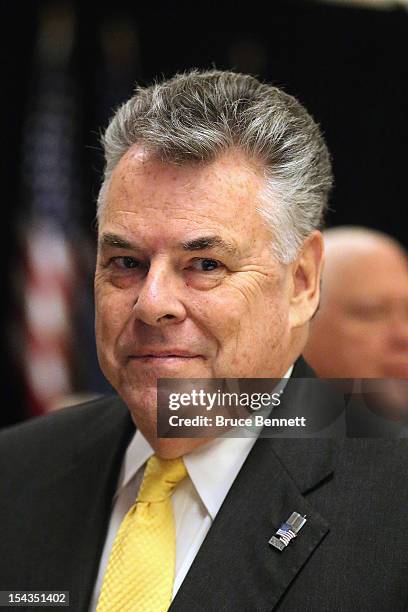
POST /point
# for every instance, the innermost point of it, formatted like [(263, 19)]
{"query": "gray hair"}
[(196, 116)]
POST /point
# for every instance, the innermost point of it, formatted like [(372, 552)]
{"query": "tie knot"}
[(160, 478)]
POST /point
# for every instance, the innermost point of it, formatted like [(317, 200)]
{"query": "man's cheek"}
[(109, 322), (112, 305)]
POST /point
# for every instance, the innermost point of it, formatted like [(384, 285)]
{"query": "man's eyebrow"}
[(196, 244), (209, 242), (113, 240)]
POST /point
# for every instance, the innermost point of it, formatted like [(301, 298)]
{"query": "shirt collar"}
[(213, 468), (137, 453)]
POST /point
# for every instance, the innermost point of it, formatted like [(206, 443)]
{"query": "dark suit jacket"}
[(58, 475)]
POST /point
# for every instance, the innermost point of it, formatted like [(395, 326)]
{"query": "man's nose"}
[(157, 303)]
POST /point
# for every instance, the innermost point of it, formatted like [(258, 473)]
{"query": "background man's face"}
[(361, 329), (170, 304)]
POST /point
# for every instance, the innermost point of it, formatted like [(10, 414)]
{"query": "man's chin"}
[(142, 405), (147, 370)]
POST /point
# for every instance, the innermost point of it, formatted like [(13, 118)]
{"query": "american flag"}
[(286, 534), (287, 531), (48, 230)]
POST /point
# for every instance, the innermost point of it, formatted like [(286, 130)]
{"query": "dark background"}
[(347, 65)]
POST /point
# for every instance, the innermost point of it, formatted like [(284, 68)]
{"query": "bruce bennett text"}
[(257, 420)]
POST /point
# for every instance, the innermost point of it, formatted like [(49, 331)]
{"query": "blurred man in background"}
[(361, 328)]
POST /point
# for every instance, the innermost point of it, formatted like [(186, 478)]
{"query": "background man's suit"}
[(58, 475)]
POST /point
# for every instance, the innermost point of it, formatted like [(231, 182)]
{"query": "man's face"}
[(186, 285), (361, 329)]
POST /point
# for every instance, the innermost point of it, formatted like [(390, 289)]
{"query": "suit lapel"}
[(236, 568)]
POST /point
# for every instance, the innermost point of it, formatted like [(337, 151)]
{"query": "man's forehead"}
[(366, 277), (217, 201)]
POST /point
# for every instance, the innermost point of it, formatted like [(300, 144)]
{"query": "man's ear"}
[(306, 273)]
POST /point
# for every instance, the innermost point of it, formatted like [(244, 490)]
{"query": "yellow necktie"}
[(140, 572)]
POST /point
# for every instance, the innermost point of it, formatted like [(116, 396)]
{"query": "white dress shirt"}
[(211, 468)]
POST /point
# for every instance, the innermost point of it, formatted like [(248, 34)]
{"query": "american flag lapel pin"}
[(287, 531)]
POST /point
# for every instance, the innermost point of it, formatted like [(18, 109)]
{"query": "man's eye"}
[(205, 265), (126, 263)]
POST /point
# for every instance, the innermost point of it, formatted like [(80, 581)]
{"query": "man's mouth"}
[(169, 357), (168, 354)]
